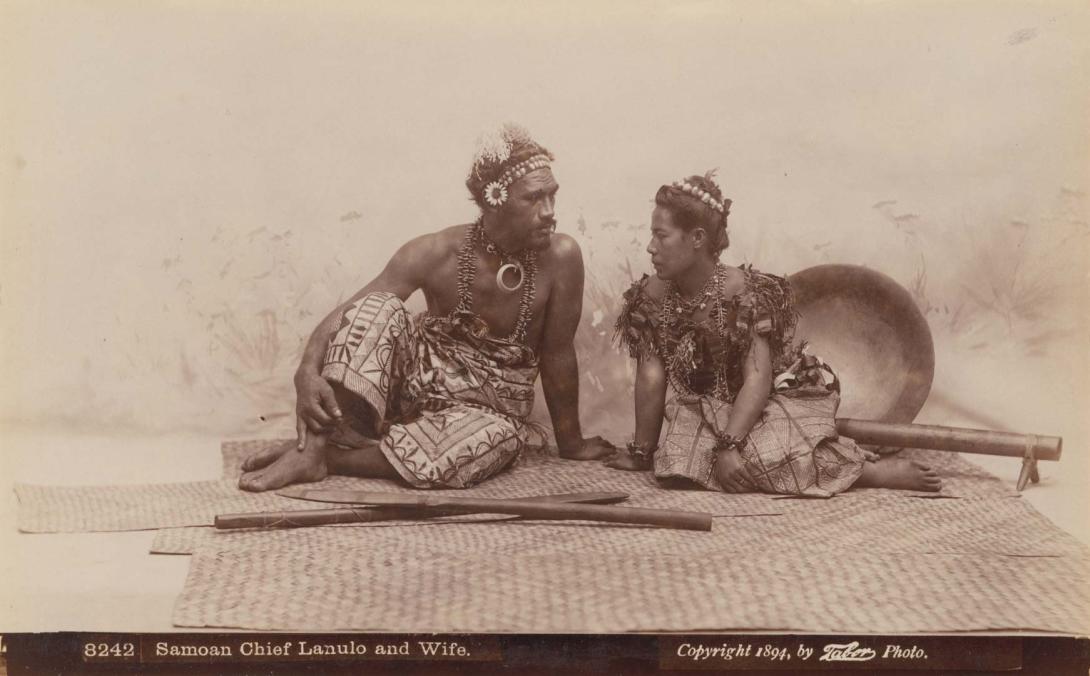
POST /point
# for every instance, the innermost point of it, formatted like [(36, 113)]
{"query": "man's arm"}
[(559, 367), (316, 405)]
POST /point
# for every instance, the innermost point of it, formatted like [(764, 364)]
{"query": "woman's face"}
[(672, 249)]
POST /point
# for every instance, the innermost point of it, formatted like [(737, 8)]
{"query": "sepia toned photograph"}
[(489, 319)]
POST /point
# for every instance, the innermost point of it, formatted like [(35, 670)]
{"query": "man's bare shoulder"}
[(450, 236), (564, 252), (432, 247)]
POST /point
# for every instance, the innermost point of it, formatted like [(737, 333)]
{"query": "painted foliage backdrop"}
[(187, 187)]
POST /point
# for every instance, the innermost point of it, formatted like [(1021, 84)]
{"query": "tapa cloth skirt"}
[(447, 401), (793, 449)]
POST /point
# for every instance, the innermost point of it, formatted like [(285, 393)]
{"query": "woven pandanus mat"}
[(138, 507), (535, 475), (874, 561), (528, 583), (66, 509), (1000, 526), (1003, 527), (186, 540)]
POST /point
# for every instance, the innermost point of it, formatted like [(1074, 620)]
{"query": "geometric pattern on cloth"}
[(792, 449), (456, 447), (383, 582), (367, 354), (452, 402)]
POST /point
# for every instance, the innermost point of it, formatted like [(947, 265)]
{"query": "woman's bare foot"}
[(292, 466), (900, 473), (266, 456)]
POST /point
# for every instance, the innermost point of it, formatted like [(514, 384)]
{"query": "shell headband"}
[(704, 196), (495, 149), (495, 193)]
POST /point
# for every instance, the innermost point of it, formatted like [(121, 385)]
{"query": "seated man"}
[(446, 394)]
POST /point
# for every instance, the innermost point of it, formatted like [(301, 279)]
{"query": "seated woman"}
[(751, 413)]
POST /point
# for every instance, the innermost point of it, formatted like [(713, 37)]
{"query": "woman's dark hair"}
[(690, 213)]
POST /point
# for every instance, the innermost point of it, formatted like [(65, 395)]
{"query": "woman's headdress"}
[(687, 186)]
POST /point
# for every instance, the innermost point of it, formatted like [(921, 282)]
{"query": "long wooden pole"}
[(529, 508), (961, 440), (297, 518)]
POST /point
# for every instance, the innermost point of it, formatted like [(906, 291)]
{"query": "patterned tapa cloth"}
[(793, 448), (452, 400)]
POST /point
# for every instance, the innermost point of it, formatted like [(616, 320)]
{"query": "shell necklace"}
[(525, 263)]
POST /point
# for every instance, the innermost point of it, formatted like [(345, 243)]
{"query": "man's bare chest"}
[(500, 308)]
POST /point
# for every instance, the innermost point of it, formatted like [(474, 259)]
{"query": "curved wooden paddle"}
[(532, 509), (324, 517)]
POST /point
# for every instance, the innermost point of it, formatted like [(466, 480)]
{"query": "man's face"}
[(528, 212), (672, 249)]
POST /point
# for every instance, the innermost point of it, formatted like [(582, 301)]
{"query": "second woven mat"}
[(354, 583)]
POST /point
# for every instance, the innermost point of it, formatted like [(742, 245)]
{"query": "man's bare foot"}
[(900, 473), (266, 456), (291, 467)]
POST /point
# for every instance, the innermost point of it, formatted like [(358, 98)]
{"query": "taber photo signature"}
[(846, 652)]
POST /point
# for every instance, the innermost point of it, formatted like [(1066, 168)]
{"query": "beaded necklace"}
[(467, 273), (675, 310)]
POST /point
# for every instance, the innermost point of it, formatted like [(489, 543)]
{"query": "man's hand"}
[(594, 448), (731, 473), (315, 405)]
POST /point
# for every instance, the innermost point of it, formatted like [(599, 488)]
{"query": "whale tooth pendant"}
[(504, 269)]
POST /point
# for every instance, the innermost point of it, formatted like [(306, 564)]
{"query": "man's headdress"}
[(504, 155)]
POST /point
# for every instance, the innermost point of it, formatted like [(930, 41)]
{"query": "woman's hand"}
[(731, 472)]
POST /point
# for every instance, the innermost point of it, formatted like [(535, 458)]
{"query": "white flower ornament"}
[(495, 193)]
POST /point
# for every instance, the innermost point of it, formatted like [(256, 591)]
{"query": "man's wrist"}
[(306, 371)]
